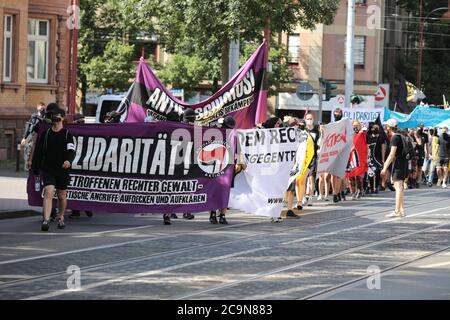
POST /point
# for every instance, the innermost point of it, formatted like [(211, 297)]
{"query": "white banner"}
[(364, 115), (335, 147), (269, 155)]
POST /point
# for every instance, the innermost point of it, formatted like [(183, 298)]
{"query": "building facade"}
[(34, 40), (321, 53)]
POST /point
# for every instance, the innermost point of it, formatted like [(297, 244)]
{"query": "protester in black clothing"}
[(443, 157), (399, 168), (377, 153), (53, 157), (423, 151), (30, 133)]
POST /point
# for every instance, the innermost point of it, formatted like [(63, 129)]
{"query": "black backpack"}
[(409, 151)]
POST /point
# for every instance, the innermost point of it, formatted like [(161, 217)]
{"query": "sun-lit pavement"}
[(324, 254)]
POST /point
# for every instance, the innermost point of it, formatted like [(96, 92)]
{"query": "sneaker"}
[(402, 214), (310, 202), (45, 225), (61, 224), (390, 186), (213, 217), (276, 220), (222, 219), (393, 214), (354, 196), (188, 216), (358, 194), (166, 219), (173, 216), (339, 196), (291, 214), (299, 206), (382, 188), (444, 185), (320, 197), (326, 198), (343, 196), (305, 201), (335, 198)]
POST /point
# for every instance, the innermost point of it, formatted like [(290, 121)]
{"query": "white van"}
[(107, 103)]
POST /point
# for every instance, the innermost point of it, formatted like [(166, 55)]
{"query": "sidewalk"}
[(13, 195)]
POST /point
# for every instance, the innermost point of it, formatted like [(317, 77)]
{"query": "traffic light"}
[(329, 88)]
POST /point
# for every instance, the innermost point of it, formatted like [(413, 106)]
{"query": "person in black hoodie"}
[(52, 160)]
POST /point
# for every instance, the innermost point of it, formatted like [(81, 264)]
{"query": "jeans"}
[(432, 169)]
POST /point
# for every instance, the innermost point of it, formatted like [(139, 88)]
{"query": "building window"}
[(359, 51), (294, 47), (360, 1), (7, 47), (37, 59)]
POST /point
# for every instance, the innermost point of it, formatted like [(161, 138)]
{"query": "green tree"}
[(436, 58), (207, 27), (113, 69)]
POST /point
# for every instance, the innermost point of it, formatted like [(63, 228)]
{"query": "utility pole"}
[(320, 99), (420, 53), (349, 65), (233, 63)]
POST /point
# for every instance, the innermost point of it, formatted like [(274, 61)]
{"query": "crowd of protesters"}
[(396, 160)]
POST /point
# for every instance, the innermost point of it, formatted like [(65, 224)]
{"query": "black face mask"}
[(375, 131), (56, 119), (302, 126), (337, 117)]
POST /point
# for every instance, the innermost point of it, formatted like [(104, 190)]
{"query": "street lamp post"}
[(421, 39)]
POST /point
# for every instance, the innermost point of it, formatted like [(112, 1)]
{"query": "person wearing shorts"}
[(54, 155), (443, 157), (399, 168)]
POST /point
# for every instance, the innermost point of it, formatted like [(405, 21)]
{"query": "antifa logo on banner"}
[(213, 158)]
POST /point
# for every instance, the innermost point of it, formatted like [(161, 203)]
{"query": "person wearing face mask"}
[(313, 131), (377, 154), (357, 162), (30, 133), (337, 183), (54, 155)]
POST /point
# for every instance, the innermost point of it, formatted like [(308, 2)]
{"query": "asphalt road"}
[(323, 255)]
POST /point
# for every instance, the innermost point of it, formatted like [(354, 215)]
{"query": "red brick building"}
[(34, 52)]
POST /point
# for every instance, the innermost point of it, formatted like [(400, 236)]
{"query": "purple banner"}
[(242, 97), (159, 167)]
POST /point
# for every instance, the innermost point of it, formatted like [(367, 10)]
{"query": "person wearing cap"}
[(399, 168), (53, 158)]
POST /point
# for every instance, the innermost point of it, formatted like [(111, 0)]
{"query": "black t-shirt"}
[(444, 141), (421, 148), (375, 144), (400, 160), (57, 147)]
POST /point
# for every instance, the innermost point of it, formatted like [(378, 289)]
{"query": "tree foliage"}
[(436, 57), (113, 69)]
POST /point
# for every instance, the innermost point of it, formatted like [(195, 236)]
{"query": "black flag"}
[(402, 103)]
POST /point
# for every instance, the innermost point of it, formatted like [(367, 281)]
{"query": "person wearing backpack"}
[(399, 169), (52, 160)]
